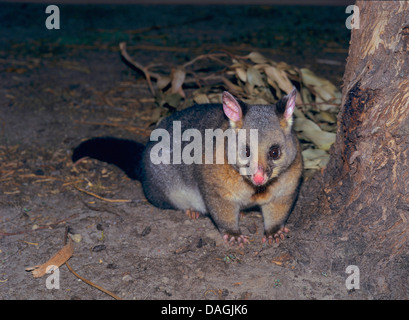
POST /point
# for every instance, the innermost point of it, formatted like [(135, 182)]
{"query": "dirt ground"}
[(58, 87)]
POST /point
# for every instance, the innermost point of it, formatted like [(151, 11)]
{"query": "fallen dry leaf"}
[(257, 57), (283, 258), (280, 77), (241, 74), (254, 77), (56, 260), (178, 77)]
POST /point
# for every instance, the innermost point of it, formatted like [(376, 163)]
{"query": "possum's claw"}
[(193, 215), (279, 235), (241, 240)]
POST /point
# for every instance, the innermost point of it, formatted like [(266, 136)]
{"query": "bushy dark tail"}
[(125, 154)]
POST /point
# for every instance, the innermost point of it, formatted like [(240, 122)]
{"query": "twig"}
[(37, 176), (212, 56), (39, 228), (158, 48), (318, 103), (116, 125), (84, 279), (99, 197), (148, 75), (91, 283)]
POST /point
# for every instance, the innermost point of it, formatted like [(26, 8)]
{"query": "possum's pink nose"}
[(259, 177)]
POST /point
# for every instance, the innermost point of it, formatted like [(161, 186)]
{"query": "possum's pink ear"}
[(232, 108), (285, 108), (290, 105)]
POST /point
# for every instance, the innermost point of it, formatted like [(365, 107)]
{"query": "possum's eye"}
[(274, 152)]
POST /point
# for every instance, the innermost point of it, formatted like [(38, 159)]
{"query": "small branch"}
[(48, 226), (116, 125), (99, 197), (318, 103), (84, 279), (148, 75), (92, 284), (212, 56)]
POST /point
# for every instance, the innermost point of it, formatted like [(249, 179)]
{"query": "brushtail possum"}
[(217, 189)]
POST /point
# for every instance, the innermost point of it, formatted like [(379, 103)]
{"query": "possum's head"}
[(275, 147)]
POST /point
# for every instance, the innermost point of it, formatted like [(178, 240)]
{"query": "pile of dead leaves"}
[(254, 79)]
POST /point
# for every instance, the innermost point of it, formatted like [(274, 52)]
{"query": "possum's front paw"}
[(241, 240), (276, 237)]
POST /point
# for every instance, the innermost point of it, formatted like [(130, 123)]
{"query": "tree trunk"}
[(360, 215)]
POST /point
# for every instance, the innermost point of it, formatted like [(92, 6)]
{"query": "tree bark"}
[(360, 212)]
